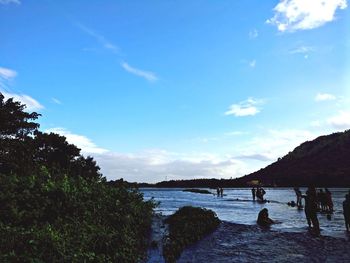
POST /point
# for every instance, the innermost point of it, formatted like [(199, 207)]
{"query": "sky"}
[(160, 90)]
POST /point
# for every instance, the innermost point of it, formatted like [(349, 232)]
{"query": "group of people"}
[(220, 191), (314, 202), (259, 193), (323, 198)]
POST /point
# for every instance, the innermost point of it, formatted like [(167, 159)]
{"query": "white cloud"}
[(302, 50), (249, 107), (253, 34), (7, 74), (292, 15), (341, 121), (150, 76), (235, 133), (5, 2), (157, 166), (252, 63), (257, 156), (324, 97), (82, 142), (99, 38), (106, 44), (316, 124), (56, 101), (31, 104), (272, 144)]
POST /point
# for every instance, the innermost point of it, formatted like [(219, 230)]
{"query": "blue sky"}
[(180, 89)]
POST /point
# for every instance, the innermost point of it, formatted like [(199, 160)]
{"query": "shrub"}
[(71, 220), (187, 226)]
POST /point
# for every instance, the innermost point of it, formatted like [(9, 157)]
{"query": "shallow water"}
[(237, 207), (243, 243)]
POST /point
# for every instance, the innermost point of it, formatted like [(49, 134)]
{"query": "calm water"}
[(245, 211)]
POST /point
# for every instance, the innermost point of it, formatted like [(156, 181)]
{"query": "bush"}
[(187, 226), (69, 219)]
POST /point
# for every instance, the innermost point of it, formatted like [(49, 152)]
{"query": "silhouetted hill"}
[(324, 161)]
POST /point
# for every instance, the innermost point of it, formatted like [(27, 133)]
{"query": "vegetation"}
[(55, 204), (187, 226), (198, 191)]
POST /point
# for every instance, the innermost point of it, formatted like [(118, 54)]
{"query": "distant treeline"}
[(196, 183)]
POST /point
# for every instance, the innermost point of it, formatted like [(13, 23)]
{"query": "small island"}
[(198, 191)]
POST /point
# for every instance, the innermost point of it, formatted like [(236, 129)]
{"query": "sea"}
[(240, 239)]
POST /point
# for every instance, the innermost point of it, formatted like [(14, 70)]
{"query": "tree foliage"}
[(55, 204)]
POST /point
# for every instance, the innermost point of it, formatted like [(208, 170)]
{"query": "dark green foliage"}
[(198, 191), (56, 206), (187, 226), (70, 220)]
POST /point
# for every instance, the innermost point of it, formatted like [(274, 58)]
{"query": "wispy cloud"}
[(7, 74), (6, 2), (252, 63), (31, 104), (324, 97), (56, 101), (257, 156), (82, 142), (99, 38), (253, 34), (150, 76), (249, 107), (302, 50), (292, 15), (108, 45), (235, 133)]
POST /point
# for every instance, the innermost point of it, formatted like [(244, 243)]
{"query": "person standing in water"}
[(298, 194), (311, 206), (221, 192), (329, 201), (346, 211), (253, 193)]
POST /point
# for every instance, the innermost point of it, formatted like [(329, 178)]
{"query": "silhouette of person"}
[(329, 201), (298, 194), (218, 191), (260, 194), (221, 192), (311, 208), (346, 211), (263, 218), (253, 193)]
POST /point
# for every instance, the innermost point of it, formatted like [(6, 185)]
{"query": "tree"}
[(14, 121)]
